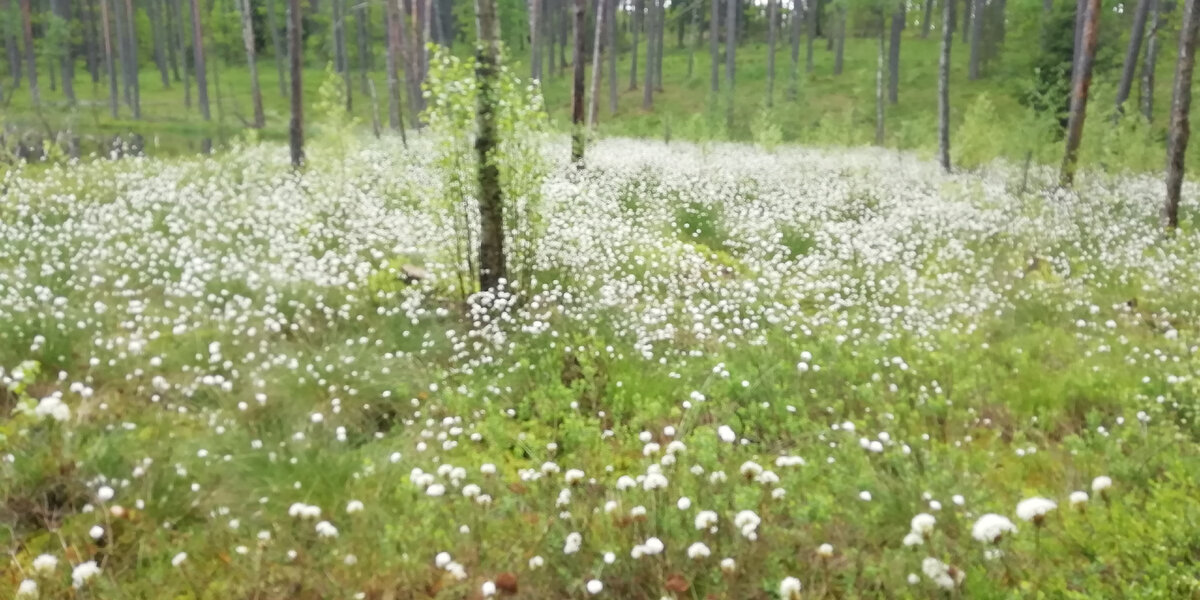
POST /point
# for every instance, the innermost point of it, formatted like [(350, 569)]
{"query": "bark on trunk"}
[(114, 101), (394, 44), (651, 48), (1131, 54), (968, 13), (295, 57), (252, 63), (894, 54), (131, 39), (198, 57), (944, 84), (926, 21), (277, 46), (168, 25), (1150, 62), (577, 91), (771, 34), (611, 7), (492, 264), (597, 62), (714, 45), (30, 56), (91, 43), (976, 37), (1181, 104), (1079, 94), (638, 6)]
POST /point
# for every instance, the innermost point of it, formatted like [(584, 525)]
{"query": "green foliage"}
[(767, 132)]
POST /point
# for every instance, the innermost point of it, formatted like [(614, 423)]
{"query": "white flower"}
[(595, 587), (991, 527), (457, 571), (537, 562), (573, 476), (705, 519), (747, 521), (326, 529), (84, 572), (728, 566), (865, 496), (52, 407), (726, 434), (654, 481), (471, 490), (178, 559), (1101, 484), (28, 590), (750, 469), (573, 542), (825, 550), (625, 482), (609, 558), (698, 550), (913, 538), (789, 589), (487, 469), (488, 589), (654, 546), (941, 574), (1078, 498), (354, 506), (1035, 509), (45, 564), (683, 503), (442, 559), (923, 523), (96, 532), (105, 494), (435, 490), (913, 579)]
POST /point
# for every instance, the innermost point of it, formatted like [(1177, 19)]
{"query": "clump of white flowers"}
[(789, 589), (747, 522), (45, 564), (941, 574), (83, 573), (698, 550), (991, 527), (1035, 509)]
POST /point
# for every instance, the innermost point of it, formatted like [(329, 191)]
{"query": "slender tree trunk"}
[(944, 84), (181, 36), (659, 45), (198, 58), (597, 62), (1080, 15), (252, 62), (697, 7), (157, 35), (651, 47), (968, 13), (898, 18), (731, 9), (1150, 62), (362, 39), (1131, 54), (638, 6), (295, 56), (492, 264), (131, 39), (114, 101), (62, 9), (794, 25), (1179, 129), (169, 27), (420, 14), (1079, 95), (277, 46), (840, 48), (976, 40), (341, 59), (535, 40), (772, 33), (90, 40), (412, 67), (611, 7), (714, 44), (565, 24), (30, 56), (810, 16), (394, 44), (12, 47), (879, 66), (926, 21), (577, 90), (122, 50)]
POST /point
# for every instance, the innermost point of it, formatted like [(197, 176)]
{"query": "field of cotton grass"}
[(722, 373)]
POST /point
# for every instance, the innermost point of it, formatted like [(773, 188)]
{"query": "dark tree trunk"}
[(944, 84), (62, 9), (198, 58), (412, 67), (252, 62), (1181, 103), (362, 45), (680, 26), (696, 8), (277, 46), (731, 10), (926, 21), (1131, 54), (1079, 93), (1150, 62), (794, 23), (30, 56), (898, 18), (492, 264), (651, 47), (840, 48), (714, 44), (394, 44), (341, 60), (12, 47), (659, 45), (169, 28), (295, 57), (158, 37), (968, 13), (810, 16), (114, 100), (577, 91), (181, 36), (976, 38), (772, 32), (639, 5), (131, 39), (122, 50), (611, 7), (90, 37)]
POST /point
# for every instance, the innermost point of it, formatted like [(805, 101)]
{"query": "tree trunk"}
[(1079, 93), (157, 33), (362, 46), (611, 7), (772, 32), (535, 40), (169, 28), (412, 66), (180, 36), (30, 56), (697, 6), (840, 47), (62, 9), (944, 84), (492, 264), (714, 44), (928, 18), (131, 39), (651, 47), (198, 59), (295, 57), (91, 41), (898, 18), (114, 100), (577, 91), (1150, 62), (661, 21), (277, 46), (638, 6), (968, 13), (1181, 103), (597, 62), (976, 38), (794, 26), (341, 61), (395, 109), (879, 65), (1131, 54), (810, 16), (12, 47), (122, 50), (731, 8), (252, 63)]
